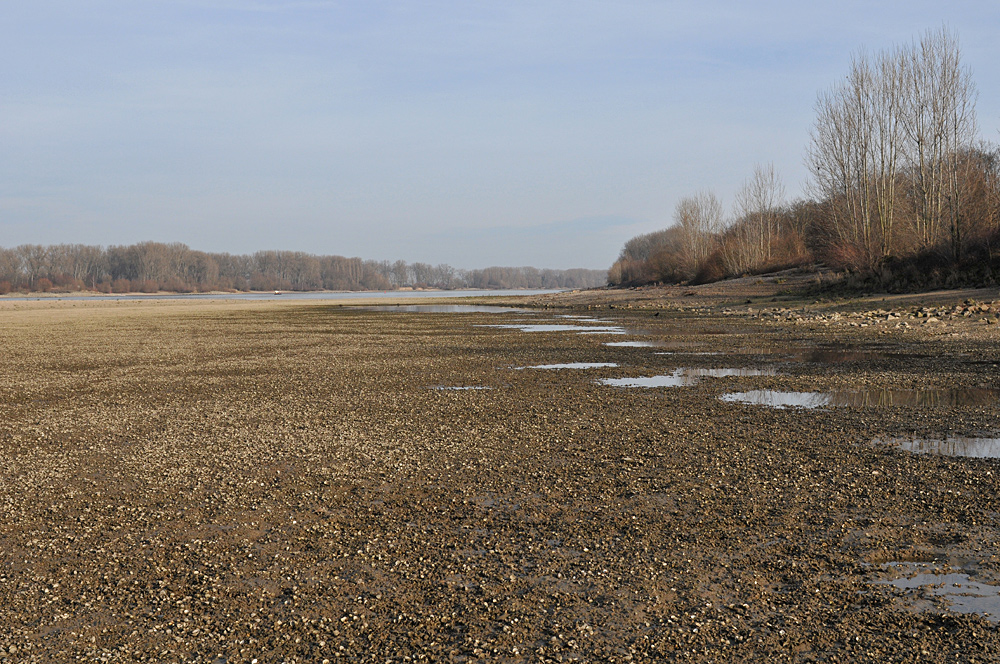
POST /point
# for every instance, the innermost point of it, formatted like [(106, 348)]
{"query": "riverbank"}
[(401, 294), (223, 482)]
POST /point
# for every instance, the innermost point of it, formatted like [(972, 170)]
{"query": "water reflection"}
[(684, 377), (956, 446), (572, 365), (726, 373), (948, 398), (775, 399), (636, 344), (676, 379), (460, 387), (561, 327), (688, 352), (962, 593), (442, 308)]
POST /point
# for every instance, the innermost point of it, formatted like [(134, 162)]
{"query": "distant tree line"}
[(150, 267), (900, 187)]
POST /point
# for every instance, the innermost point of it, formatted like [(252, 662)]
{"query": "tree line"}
[(900, 186), (149, 267)]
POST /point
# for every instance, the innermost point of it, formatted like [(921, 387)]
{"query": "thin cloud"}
[(425, 131), (586, 225)]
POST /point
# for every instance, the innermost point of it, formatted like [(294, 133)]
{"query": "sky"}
[(473, 133)]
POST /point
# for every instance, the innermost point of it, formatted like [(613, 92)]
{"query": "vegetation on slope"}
[(902, 191)]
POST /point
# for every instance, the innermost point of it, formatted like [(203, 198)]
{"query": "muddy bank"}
[(224, 483)]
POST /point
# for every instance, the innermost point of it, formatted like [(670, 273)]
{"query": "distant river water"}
[(352, 295)]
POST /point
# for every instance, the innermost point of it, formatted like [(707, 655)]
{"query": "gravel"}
[(281, 482)]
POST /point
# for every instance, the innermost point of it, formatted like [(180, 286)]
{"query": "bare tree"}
[(423, 274), (34, 261), (445, 276), (895, 170), (400, 274), (756, 208), (699, 219), (885, 98), (10, 269), (868, 128), (848, 157), (939, 122)]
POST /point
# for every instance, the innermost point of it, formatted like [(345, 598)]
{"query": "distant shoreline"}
[(279, 295)]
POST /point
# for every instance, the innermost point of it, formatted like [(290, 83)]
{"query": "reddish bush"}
[(121, 286)]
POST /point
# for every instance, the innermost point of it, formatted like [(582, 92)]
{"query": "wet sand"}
[(225, 482)]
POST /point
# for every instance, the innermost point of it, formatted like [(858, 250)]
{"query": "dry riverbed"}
[(300, 482)]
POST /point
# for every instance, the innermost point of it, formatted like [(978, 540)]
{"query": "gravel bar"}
[(269, 482)]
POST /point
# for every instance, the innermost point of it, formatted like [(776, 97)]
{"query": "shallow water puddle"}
[(675, 379), (561, 327), (688, 352), (951, 398), (962, 593), (572, 365), (776, 399), (674, 345), (728, 373), (636, 344), (956, 446), (443, 308), (683, 377), (460, 387)]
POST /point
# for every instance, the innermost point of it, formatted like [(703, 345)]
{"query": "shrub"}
[(121, 286)]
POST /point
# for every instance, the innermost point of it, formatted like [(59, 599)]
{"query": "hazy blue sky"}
[(473, 133)]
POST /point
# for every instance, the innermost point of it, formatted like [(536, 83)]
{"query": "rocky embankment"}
[(901, 318)]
